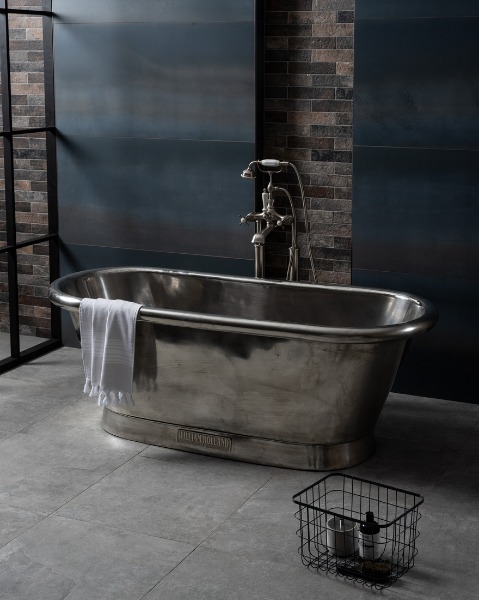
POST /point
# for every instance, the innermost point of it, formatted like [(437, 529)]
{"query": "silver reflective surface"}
[(294, 375)]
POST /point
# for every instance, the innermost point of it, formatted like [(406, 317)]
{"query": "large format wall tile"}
[(138, 11), (80, 258), (150, 194), (416, 83), (443, 362), (377, 9), (416, 211), (75, 257), (165, 80)]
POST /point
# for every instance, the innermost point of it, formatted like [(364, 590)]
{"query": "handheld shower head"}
[(248, 173), (268, 166)]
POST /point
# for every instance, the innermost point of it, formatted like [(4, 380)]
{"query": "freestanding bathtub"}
[(277, 373)]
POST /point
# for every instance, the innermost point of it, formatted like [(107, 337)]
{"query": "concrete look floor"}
[(87, 516)]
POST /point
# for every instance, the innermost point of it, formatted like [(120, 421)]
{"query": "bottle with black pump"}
[(369, 538)]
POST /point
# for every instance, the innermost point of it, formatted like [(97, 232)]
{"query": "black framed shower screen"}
[(8, 135)]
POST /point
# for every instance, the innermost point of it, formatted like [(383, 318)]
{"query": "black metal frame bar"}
[(17, 356), (259, 95)]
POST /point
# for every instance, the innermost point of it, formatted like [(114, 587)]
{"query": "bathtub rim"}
[(212, 322)]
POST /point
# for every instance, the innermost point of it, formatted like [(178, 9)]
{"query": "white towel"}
[(107, 329)]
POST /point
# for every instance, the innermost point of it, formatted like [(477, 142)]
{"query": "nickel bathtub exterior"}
[(278, 373)]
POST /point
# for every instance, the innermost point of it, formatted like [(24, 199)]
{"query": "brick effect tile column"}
[(28, 110), (308, 121)]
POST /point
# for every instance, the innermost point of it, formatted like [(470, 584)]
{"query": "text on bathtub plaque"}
[(205, 440)]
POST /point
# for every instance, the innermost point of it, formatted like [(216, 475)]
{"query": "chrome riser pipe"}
[(293, 270), (259, 261)]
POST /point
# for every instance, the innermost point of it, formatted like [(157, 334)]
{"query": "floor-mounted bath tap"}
[(273, 219)]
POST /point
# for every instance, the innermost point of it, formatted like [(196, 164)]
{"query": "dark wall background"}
[(154, 131), (416, 177), (155, 104)]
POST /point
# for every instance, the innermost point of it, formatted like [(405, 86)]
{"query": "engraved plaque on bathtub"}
[(204, 440)]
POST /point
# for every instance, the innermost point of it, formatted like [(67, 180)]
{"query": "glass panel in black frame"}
[(30, 174), (33, 304), (1, 111), (4, 308), (3, 217)]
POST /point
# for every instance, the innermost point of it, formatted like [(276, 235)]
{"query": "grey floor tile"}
[(213, 575), (5, 434), (432, 424), (14, 521), (23, 403), (459, 487), (191, 458), (264, 527), (118, 507), (62, 558), (446, 564), (404, 464), (42, 473), (80, 425), (181, 501), (177, 456)]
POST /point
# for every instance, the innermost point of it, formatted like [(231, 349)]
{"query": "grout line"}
[(160, 252), (108, 527), (199, 546), (139, 532), (168, 139), (164, 577), (60, 410), (416, 148), (412, 18), (101, 479), (237, 509), (49, 514), (134, 531), (8, 436), (418, 275), (185, 22), (219, 486), (25, 531)]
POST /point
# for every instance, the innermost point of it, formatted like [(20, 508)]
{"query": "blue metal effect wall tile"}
[(80, 258), (380, 9), (137, 11), (162, 195), (442, 363), (416, 83), (75, 257), (167, 80), (416, 211)]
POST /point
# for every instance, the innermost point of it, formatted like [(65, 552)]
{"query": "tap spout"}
[(260, 236)]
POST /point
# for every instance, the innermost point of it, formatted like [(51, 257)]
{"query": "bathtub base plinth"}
[(311, 457)]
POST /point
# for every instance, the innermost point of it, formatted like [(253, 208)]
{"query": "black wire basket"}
[(337, 537)]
